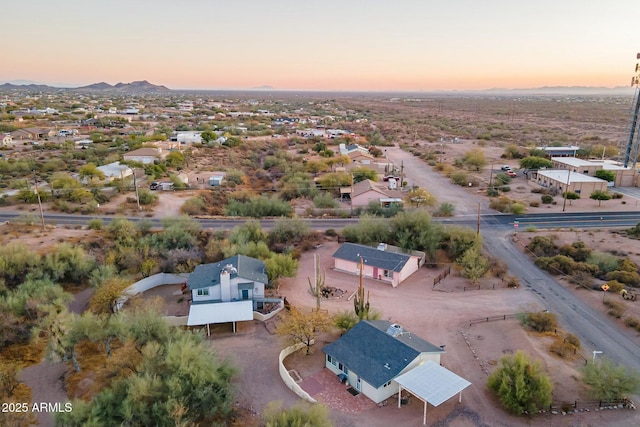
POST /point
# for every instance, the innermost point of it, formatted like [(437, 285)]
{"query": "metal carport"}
[(431, 383)]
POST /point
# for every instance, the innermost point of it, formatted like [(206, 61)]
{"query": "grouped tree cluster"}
[(582, 262)]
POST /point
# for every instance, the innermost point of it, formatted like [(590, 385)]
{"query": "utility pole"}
[(491, 176), (135, 185), (351, 195), (401, 174), (35, 178), (566, 191), (478, 228)]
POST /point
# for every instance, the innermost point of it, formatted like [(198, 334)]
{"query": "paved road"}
[(596, 331)]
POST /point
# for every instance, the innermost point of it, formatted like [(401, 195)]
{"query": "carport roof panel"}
[(432, 383), (220, 312)]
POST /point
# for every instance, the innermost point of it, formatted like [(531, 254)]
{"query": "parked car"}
[(512, 174), (154, 185), (506, 168), (388, 177)]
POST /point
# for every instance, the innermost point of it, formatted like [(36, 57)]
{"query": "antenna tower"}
[(631, 152)]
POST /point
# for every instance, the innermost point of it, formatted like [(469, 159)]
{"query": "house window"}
[(586, 172), (331, 360), (388, 273), (203, 292), (387, 384), (343, 368)]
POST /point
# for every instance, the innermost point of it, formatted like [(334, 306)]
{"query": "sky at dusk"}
[(403, 45)]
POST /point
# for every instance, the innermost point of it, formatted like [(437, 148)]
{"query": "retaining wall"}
[(286, 378)]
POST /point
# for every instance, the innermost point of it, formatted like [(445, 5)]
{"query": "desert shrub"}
[(234, 176), (561, 347), (345, 320), (615, 286), (573, 340), (146, 197), (631, 278), (502, 179), (578, 251), (95, 224), (625, 264), (517, 208), (492, 192), (505, 188), (582, 278), (542, 321), (500, 204), (330, 232), (520, 384), (534, 204), (512, 281), (616, 309), (258, 207), (605, 262), (289, 230), (459, 178), (632, 322), (543, 246), (445, 209), (564, 264), (193, 206), (546, 199), (325, 201), (610, 381)]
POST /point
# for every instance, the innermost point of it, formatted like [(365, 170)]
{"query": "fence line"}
[(586, 405), (494, 318), (442, 276)]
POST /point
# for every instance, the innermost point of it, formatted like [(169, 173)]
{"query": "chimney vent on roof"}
[(382, 246), (395, 330)]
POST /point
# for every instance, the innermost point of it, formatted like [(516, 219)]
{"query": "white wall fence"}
[(150, 283), (286, 377)]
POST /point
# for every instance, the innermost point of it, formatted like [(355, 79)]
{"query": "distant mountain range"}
[(141, 86), (144, 86)]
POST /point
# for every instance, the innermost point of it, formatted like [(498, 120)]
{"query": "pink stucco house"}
[(384, 263)]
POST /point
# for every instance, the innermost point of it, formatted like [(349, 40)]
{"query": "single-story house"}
[(563, 180), (227, 291), (568, 151), (373, 353), (385, 263), (115, 171), (146, 155), (624, 177), (368, 191)]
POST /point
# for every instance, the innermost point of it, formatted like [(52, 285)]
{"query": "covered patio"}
[(431, 383), (220, 312)]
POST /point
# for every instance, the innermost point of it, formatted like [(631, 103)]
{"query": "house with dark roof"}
[(373, 353), (385, 263), (227, 291)]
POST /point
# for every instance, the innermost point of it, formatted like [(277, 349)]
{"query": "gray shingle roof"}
[(374, 355), (206, 275), (372, 256)]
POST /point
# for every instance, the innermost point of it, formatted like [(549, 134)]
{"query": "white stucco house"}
[(373, 353), (227, 291), (145, 155)]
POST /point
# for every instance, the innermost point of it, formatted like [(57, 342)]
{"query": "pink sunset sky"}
[(322, 45)]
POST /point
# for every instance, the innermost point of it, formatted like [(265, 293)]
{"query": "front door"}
[(358, 384), (375, 272), (245, 294)]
